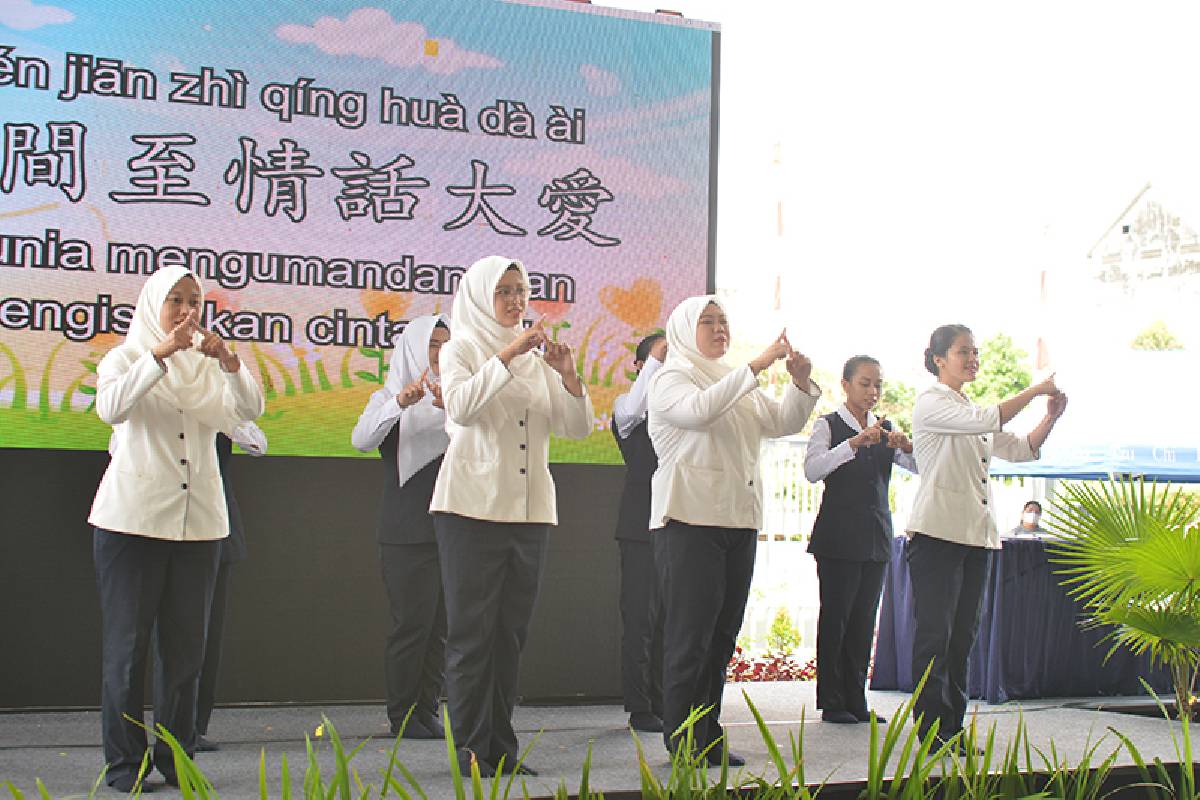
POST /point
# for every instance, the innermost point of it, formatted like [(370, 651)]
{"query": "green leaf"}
[(369, 377)]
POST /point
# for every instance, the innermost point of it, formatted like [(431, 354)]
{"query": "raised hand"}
[(780, 348), (214, 346), (529, 338), (1048, 386), (412, 393), (434, 389), (868, 436), (178, 338), (560, 358), (799, 366), (1056, 405), (897, 440)]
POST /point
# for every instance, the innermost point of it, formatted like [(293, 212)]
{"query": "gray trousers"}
[(415, 654), (704, 575), (948, 581), (491, 572), (150, 584)]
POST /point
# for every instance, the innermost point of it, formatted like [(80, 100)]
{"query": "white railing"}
[(785, 575)]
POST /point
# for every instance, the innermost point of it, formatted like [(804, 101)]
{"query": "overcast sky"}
[(935, 156)]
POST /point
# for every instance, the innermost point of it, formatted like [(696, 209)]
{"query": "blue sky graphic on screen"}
[(328, 176)]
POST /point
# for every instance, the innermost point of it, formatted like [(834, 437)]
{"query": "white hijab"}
[(474, 319), (422, 427), (193, 381), (684, 356)]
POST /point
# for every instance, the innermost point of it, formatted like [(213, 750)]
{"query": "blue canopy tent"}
[(1118, 421)]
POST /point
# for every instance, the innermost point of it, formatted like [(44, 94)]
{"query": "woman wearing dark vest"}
[(951, 529), (641, 609), (406, 422), (852, 452)]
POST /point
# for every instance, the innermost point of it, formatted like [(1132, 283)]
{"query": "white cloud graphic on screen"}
[(372, 33), (599, 82), (23, 15)]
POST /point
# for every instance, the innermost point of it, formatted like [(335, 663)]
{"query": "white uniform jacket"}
[(497, 465), (163, 480), (954, 441), (708, 452)]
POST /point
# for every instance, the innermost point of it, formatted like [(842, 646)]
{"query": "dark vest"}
[(854, 522), (633, 521), (233, 546), (404, 516)]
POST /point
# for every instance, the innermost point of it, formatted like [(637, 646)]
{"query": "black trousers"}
[(850, 593), (641, 629), (948, 581), (491, 572), (150, 584), (206, 691), (704, 577), (415, 654)]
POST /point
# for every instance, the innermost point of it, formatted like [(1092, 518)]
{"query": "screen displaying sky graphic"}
[(329, 176)]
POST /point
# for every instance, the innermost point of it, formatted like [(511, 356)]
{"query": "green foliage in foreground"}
[(1129, 551), (902, 765)]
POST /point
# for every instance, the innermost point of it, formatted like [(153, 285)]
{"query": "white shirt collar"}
[(848, 418)]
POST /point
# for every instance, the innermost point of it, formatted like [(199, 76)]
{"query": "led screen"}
[(329, 175)]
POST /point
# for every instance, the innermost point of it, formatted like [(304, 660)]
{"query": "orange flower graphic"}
[(552, 310), (377, 301), (638, 306)]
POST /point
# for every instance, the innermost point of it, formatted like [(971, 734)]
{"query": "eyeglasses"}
[(513, 292)]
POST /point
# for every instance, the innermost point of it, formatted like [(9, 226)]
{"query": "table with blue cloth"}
[(1030, 641)]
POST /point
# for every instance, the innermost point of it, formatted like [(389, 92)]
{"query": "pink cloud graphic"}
[(372, 33), (618, 174), (24, 15), (599, 82)]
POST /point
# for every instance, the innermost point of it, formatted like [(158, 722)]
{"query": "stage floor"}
[(63, 747)]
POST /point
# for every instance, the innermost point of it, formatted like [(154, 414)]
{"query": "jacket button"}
[(183, 486), (984, 502), (183, 461), (522, 470), (521, 422), (181, 436), (751, 483), (522, 447)]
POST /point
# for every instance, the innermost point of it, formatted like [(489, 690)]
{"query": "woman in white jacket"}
[(405, 420), (160, 514), (951, 530), (707, 421), (494, 499)]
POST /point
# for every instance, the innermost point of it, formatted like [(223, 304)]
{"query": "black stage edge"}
[(307, 611)]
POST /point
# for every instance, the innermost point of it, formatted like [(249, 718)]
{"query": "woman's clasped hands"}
[(557, 355), (799, 366), (182, 337)]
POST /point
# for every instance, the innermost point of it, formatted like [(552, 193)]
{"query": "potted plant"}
[(1129, 551)]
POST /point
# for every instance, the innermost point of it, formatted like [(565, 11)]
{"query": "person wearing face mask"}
[(494, 499), (406, 421), (707, 423), (951, 529), (159, 514), (1031, 521), (641, 608), (852, 451)]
